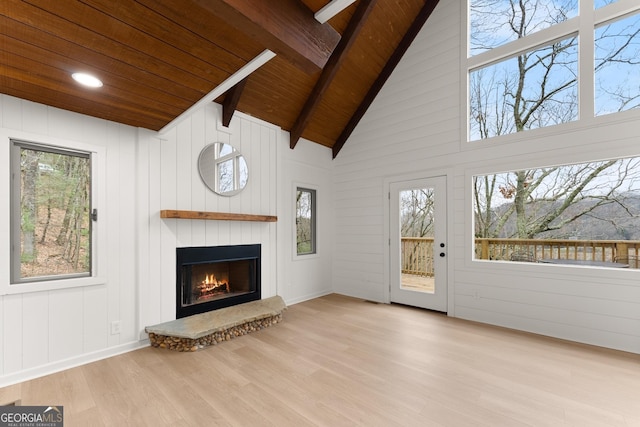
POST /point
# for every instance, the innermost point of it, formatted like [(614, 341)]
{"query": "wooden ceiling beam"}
[(230, 102), (328, 73), (286, 27), (391, 64)]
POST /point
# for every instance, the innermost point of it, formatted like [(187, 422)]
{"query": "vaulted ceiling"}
[(160, 59)]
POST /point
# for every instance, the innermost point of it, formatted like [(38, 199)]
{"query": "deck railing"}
[(620, 251), (417, 256), (417, 252)]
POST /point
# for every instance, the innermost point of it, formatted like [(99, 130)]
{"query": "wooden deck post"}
[(484, 249), (622, 253)]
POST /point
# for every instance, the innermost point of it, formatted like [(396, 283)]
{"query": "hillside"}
[(616, 220)]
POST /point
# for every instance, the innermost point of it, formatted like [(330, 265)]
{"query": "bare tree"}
[(483, 193), (617, 65), (417, 215), (536, 89), (544, 200), (304, 226)]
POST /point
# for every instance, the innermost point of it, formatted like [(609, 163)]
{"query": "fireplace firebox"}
[(213, 277)]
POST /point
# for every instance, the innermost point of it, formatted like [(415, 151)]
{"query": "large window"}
[(586, 214), (526, 58), (305, 221), (51, 215)]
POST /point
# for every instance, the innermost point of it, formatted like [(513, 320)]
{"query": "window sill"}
[(305, 257), (51, 285)]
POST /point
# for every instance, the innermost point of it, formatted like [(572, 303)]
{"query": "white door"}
[(418, 246)]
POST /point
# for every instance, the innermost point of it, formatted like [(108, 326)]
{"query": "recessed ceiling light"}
[(87, 79)]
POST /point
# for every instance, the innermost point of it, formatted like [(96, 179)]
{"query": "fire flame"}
[(211, 284)]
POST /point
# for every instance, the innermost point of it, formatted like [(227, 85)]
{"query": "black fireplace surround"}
[(213, 277)]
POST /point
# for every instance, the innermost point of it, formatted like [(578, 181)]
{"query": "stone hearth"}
[(201, 330)]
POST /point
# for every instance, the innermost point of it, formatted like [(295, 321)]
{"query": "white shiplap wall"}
[(169, 179), (412, 120), (307, 276), (48, 330), (42, 332), (414, 128)]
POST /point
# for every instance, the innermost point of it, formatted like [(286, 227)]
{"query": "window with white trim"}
[(51, 213), (585, 214), (538, 63), (305, 221)]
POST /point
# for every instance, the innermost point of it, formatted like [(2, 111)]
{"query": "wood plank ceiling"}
[(159, 58)]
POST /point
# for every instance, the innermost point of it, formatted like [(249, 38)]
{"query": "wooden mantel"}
[(219, 216)]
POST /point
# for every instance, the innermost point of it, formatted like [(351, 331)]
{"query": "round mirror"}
[(223, 169)]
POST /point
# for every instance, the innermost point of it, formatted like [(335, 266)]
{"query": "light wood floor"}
[(338, 361)]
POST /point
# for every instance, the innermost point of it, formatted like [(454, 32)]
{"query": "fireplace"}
[(213, 277)]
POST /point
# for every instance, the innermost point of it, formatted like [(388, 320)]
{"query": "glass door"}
[(418, 246)]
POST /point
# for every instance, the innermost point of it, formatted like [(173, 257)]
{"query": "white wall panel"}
[(11, 112), (2, 343), (144, 207), (95, 319), (66, 315), (180, 153), (35, 118), (178, 184), (13, 338), (35, 326), (165, 232), (414, 127), (115, 173), (123, 304), (511, 318), (198, 195), (309, 166), (45, 331)]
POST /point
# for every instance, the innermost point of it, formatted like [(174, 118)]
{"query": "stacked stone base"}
[(194, 344)]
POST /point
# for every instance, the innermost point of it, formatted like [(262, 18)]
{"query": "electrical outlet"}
[(115, 327)]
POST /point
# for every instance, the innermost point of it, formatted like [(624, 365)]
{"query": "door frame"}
[(386, 191)]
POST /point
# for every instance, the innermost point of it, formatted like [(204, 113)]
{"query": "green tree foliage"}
[(55, 205)]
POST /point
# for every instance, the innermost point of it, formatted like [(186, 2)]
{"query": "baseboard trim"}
[(61, 365), (304, 298)]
